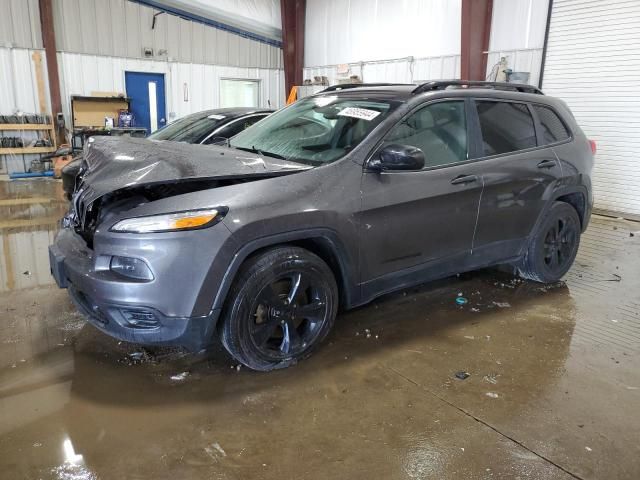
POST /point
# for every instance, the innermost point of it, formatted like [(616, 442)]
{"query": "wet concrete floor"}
[(553, 390)]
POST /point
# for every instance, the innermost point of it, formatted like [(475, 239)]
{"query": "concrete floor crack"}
[(488, 425)]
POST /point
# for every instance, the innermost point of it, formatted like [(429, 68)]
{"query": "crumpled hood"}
[(114, 163)]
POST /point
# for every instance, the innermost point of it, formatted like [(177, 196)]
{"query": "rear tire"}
[(281, 306), (554, 246)]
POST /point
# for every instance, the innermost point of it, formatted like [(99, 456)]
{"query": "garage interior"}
[(523, 380)]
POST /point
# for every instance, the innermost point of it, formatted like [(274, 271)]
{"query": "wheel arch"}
[(324, 243), (577, 200)]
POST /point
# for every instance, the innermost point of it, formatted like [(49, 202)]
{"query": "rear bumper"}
[(162, 311)]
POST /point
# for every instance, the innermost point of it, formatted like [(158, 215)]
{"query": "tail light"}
[(594, 147)]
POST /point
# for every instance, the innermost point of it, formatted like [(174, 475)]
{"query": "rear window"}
[(506, 127), (553, 129)]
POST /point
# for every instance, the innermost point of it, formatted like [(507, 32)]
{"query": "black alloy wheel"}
[(554, 246), (281, 305), (288, 314)]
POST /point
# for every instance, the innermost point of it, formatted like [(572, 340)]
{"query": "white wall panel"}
[(518, 24), (525, 60), (517, 33), (19, 93), (20, 24), (395, 71), (593, 63), (122, 28), (84, 74), (348, 31)]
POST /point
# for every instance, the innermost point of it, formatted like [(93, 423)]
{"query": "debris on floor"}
[(502, 304), (462, 375), (491, 379), (461, 300), (215, 451), (180, 376), (492, 395)]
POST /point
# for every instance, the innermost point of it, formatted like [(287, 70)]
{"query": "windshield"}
[(315, 130), (189, 129)]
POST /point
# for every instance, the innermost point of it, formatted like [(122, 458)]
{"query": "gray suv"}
[(339, 198)]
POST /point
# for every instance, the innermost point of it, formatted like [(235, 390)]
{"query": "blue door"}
[(146, 91)]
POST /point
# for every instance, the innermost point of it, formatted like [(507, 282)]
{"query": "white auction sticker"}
[(214, 116), (363, 113)]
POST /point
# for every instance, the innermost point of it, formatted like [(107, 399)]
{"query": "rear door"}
[(413, 220), (519, 175)]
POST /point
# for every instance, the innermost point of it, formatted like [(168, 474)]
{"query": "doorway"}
[(147, 94)]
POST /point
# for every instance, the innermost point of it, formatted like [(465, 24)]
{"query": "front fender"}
[(217, 284)]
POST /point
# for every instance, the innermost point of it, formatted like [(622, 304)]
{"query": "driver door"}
[(419, 224)]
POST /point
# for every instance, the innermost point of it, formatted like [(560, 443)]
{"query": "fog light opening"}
[(131, 267)]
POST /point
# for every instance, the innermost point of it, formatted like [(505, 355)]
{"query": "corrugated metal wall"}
[(523, 60), (517, 33), (121, 28), (405, 70), (18, 93), (20, 24), (84, 74), (348, 31)]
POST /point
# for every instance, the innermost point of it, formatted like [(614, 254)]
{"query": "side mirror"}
[(397, 157), (220, 141)]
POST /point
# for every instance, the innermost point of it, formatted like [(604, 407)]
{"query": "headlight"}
[(169, 222)]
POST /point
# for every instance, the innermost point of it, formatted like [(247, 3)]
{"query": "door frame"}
[(165, 76)]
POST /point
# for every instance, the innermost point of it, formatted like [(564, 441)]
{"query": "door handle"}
[(463, 179), (547, 164)]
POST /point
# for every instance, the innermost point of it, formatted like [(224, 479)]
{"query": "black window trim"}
[(539, 132), (475, 147), (536, 124), (479, 130), (470, 150)]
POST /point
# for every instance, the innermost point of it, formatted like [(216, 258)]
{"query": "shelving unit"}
[(43, 127)]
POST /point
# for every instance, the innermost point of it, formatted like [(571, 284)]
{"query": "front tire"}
[(554, 246), (280, 307)]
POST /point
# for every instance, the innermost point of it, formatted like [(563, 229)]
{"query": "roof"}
[(230, 112), (403, 92)]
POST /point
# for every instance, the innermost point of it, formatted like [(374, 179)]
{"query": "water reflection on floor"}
[(552, 392), (29, 213)]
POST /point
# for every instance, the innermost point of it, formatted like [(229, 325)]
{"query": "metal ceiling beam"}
[(476, 30), (293, 18), (214, 18)]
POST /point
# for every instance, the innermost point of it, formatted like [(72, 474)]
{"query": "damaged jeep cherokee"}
[(337, 199)]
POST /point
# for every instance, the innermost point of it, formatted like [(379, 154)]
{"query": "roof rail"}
[(444, 84), (344, 86)]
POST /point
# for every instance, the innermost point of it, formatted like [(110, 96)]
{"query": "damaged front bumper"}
[(161, 311)]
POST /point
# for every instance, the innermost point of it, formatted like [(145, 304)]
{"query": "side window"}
[(506, 127), (553, 129), (234, 128), (439, 130)]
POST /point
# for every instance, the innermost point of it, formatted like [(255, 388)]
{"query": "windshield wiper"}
[(260, 152)]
